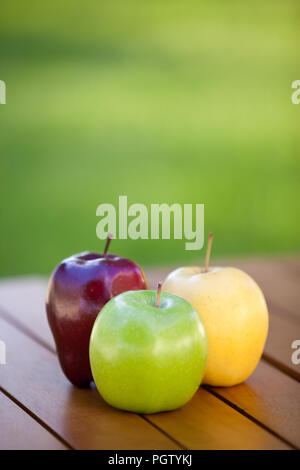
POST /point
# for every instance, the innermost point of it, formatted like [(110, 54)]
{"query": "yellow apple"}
[(235, 316)]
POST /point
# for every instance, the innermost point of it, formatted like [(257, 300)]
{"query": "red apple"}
[(78, 289)]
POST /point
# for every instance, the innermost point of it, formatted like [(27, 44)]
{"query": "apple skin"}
[(78, 289), (235, 315), (147, 359)]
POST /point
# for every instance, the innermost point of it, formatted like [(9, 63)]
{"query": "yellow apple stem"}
[(108, 240), (158, 294), (208, 250)]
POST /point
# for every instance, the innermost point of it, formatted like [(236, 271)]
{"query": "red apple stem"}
[(158, 294), (108, 240), (208, 250)]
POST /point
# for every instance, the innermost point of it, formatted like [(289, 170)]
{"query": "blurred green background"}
[(166, 101)]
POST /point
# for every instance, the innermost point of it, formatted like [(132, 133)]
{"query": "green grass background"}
[(165, 101)]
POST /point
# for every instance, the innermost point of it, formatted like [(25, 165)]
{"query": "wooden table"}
[(39, 409)]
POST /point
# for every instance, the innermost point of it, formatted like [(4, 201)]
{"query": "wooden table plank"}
[(283, 330), (205, 423), (294, 261), (277, 348), (272, 398), (18, 431), (278, 280), (24, 298), (278, 341), (48, 386), (33, 377)]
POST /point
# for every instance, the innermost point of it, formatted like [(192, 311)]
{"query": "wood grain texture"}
[(294, 261), (205, 423), (272, 398), (23, 301), (33, 377), (283, 330), (18, 431), (278, 280)]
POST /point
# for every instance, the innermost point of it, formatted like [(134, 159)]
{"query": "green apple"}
[(148, 356)]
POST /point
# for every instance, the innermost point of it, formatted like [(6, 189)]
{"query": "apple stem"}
[(158, 294), (108, 240), (208, 250)]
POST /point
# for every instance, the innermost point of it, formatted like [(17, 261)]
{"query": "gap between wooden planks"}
[(21, 431), (84, 421), (33, 378), (39, 298)]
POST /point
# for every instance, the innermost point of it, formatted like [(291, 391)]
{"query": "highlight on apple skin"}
[(148, 354), (235, 315)]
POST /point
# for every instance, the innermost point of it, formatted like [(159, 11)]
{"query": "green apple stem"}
[(108, 240), (158, 294), (208, 250)]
